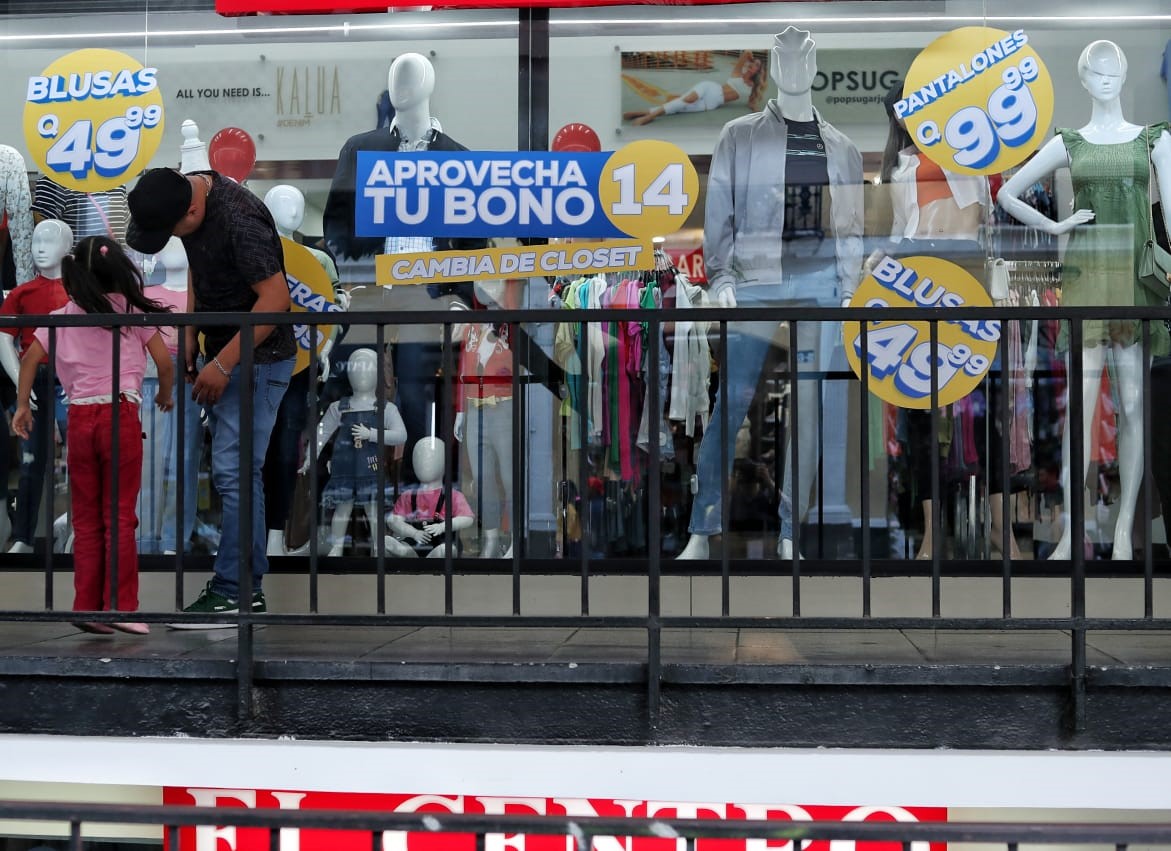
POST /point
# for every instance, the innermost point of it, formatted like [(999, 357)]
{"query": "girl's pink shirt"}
[(85, 356)]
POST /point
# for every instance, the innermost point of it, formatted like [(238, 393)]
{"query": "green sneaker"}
[(210, 603), (259, 604)]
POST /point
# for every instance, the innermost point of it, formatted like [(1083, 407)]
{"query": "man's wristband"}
[(220, 367)]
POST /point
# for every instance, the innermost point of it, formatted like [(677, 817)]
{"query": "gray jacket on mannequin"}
[(745, 210)]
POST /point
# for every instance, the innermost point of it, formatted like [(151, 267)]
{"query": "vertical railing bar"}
[(1148, 480), (794, 456), (725, 471), (936, 496), (519, 480), (864, 467), (1077, 519), (821, 379), (115, 426), (653, 526), (182, 400), (49, 409), (244, 635), (585, 512), (1006, 530), (446, 424), (378, 524), (75, 843), (313, 451)]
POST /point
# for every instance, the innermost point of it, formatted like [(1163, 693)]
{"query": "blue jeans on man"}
[(269, 383)]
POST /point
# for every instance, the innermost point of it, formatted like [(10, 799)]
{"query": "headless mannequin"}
[(948, 224), (363, 374), (287, 205), (793, 67), (486, 392), (428, 460), (52, 240), (1102, 70)]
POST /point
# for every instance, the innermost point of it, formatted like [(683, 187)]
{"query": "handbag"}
[(1154, 261)]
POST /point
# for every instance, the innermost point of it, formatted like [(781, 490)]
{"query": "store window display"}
[(1112, 162), (43, 294), (763, 247), (357, 455)]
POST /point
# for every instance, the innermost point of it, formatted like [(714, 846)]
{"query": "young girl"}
[(100, 278)]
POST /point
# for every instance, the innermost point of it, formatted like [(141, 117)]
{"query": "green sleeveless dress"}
[(1099, 266)]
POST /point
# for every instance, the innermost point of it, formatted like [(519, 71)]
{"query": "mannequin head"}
[(362, 370), (794, 61), (174, 260), (411, 81), (1102, 69), (287, 205), (427, 460), (192, 153), (52, 240)]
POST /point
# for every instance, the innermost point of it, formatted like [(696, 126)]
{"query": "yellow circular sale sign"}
[(310, 290), (898, 353), (648, 188), (977, 100), (93, 119)]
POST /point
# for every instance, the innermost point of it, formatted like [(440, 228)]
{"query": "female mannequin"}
[(419, 514), (749, 265), (44, 293), (938, 213), (1111, 161), (356, 458), (157, 501), (287, 205)]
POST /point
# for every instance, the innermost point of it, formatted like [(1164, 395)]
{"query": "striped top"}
[(104, 213)]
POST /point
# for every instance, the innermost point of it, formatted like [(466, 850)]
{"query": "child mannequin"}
[(354, 468), (51, 241), (1111, 162), (101, 279), (419, 514)]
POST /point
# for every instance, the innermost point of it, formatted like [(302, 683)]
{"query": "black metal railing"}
[(582, 830), (789, 614)]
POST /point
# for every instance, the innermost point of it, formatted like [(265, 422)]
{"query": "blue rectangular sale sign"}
[(481, 194)]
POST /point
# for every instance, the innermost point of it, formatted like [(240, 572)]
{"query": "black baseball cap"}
[(159, 200)]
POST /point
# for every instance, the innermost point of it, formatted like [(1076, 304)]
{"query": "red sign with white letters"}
[(212, 838)]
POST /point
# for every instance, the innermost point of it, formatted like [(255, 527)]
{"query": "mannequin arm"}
[(402, 529), (9, 360), (719, 236), (1050, 158), (394, 430), (1161, 161), (457, 524)]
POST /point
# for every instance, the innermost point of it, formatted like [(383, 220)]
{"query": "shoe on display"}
[(210, 603), (94, 628)]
